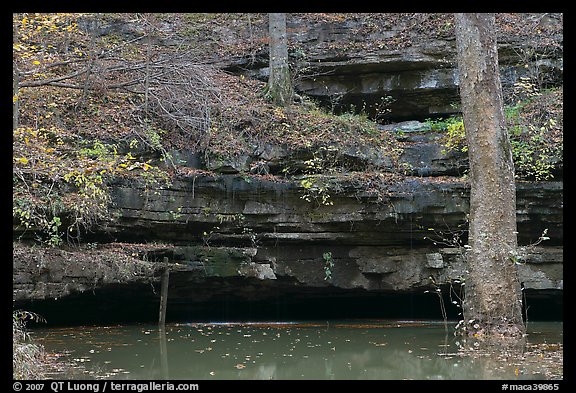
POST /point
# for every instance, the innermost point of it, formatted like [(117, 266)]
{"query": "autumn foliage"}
[(99, 97)]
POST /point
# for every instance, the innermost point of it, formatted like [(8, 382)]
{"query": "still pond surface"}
[(357, 349)]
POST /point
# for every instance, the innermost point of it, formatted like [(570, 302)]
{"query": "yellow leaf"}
[(19, 47), (22, 160), (36, 62)]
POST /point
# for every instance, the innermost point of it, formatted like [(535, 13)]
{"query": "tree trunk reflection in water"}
[(163, 352), (347, 350)]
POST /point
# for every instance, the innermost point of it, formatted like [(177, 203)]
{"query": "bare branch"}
[(51, 81)]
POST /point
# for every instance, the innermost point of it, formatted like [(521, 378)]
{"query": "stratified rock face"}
[(394, 244), (252, 237), (415, 74), (47, 273)]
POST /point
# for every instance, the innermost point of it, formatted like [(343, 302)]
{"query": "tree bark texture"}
[(15, 86), (493, 301), (279, 89), (15, 96)]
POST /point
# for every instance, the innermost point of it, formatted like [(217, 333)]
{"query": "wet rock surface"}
[(258, 241)]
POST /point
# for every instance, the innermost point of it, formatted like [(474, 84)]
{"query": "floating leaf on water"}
[(240, 366)]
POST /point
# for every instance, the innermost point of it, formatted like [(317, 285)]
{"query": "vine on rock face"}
[(328, 265), (454, 239)]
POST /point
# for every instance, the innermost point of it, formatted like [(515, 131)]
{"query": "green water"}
[(358, 349)]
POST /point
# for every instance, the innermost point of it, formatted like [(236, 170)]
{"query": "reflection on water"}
[(372, 349)]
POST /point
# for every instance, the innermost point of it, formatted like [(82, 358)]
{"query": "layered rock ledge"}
[(246, 239)]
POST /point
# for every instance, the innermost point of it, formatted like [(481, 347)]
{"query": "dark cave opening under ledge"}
[(115, 306)]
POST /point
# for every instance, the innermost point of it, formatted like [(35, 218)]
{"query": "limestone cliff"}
[(279, 221)]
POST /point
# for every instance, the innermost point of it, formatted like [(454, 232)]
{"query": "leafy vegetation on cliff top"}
[(98, 97)]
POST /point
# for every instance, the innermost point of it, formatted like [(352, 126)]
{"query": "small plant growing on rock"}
[(455, 137), (328, 265), (315, 191)]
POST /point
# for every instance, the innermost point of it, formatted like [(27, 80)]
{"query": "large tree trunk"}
[(493, 302), (279, 89)]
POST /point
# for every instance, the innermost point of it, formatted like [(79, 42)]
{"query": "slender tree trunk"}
[(493, 304), (147, 80), (15, 96), (15, 85), (279, 89)]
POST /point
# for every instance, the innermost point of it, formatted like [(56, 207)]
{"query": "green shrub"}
[(535, 128)]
